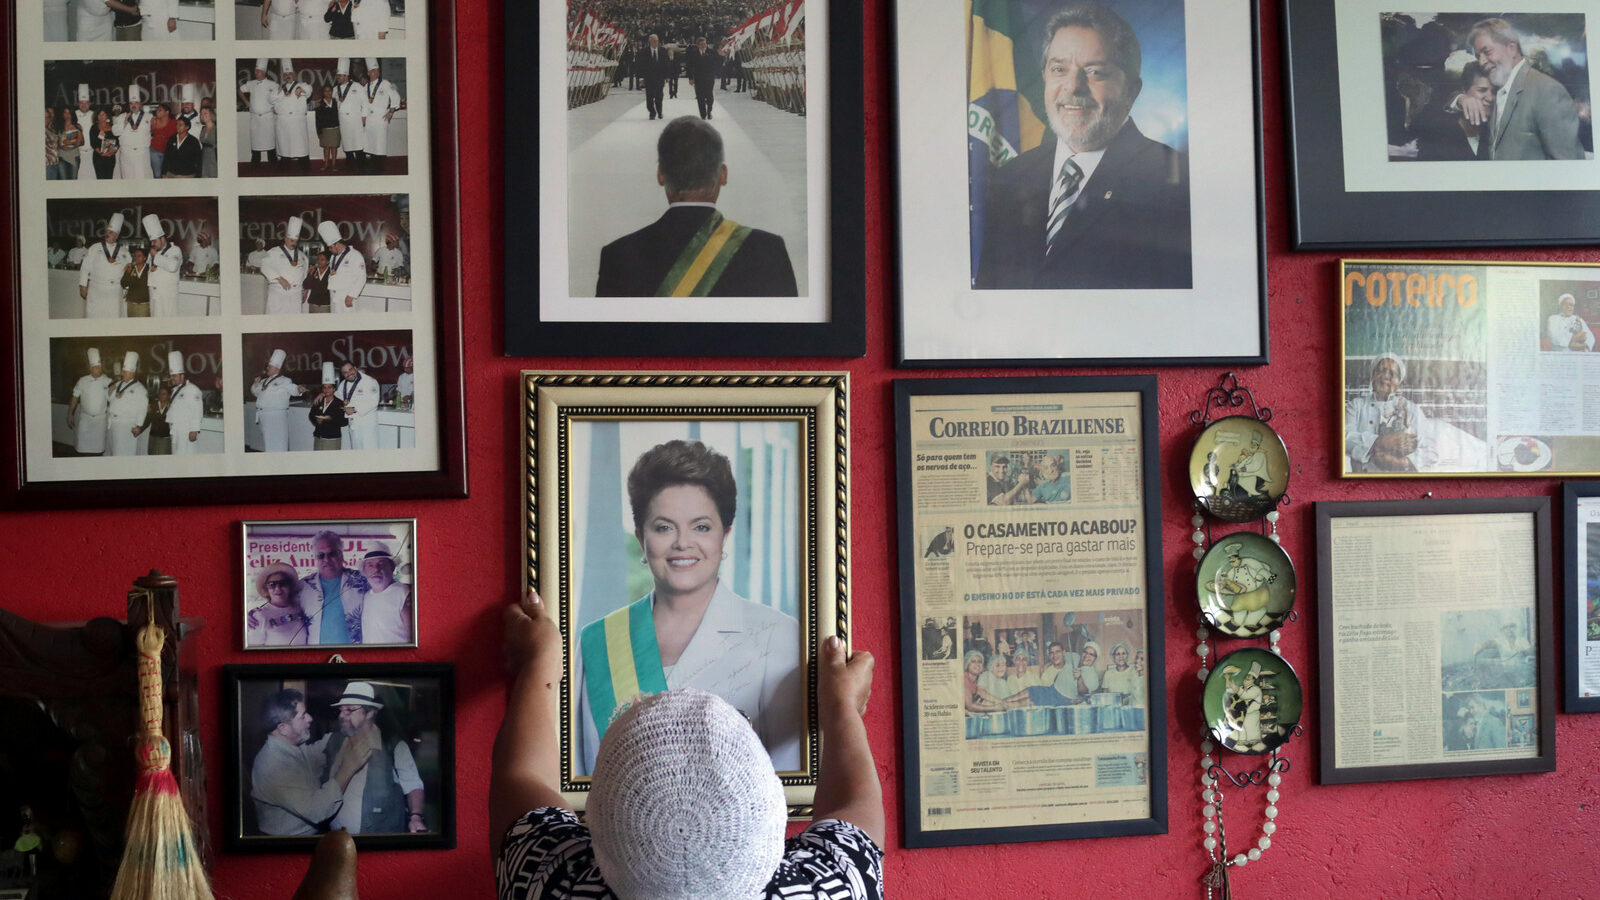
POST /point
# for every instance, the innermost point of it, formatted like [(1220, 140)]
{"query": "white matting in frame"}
[(945, 321)]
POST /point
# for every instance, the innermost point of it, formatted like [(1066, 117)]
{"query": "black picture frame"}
[(1580, 597), (527, 333), (912, 552), (238, 810), (448, 479), (1325, 214), (944, 320), (1540, 694)]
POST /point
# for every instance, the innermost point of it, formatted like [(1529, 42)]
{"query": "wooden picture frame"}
[(990, 473), (1461, 587), (1161, 255), (779, 588), (224, 340), (1372, 163), (416, 711), (795, 170)]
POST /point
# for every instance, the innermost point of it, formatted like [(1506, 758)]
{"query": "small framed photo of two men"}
[(1101, 206), (329, 583), (690, 530), (699, 181), (314, 748), (180, 211), (1402, 119)]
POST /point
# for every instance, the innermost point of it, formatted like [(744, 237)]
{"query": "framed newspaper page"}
[(707, 504), (1033, 696), (1453, 368), (1068, 196), (1436, 638), (1582, 575), (1397, 123), (205, 237), (687, 182)]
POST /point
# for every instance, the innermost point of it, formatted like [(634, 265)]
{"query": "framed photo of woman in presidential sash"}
[(191, 210), (1069, 196), (689, 531), (685, 185)]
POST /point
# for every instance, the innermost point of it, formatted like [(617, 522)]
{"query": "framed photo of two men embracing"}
[(1102, 204)]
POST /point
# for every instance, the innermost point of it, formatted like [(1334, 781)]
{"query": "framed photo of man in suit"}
[(689, 536), (1108, 215), (688, 182), (1400, 119)]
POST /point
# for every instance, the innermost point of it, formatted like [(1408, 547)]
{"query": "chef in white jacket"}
[(166, 261), (352, 101), (371, 20), (273, 390), (277, 17), (284, 267), (84, 114), (308, 22), (127, 403), (389, 258), (360, 393), (203, 258), (188, 408), (349, 268), (86, 412), (260, 93), (95, 21), (55, 20), (381, 100), (132, 129), (289, 110), (160, 20), (100, 278)]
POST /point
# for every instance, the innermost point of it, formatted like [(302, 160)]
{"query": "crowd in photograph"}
[(673, 21), (139, 140)]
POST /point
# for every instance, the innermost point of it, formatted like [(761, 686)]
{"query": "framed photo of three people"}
[(1102, 204), (689, 530)]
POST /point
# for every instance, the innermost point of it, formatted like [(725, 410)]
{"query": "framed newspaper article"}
[(1454, 368), (1436, 638), (207, 238), (1068, 196), (1582, 575), (689, 181), (1033, 695), (706, 504), (1401, 118)]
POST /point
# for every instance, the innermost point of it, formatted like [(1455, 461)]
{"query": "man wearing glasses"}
[(333, 595)]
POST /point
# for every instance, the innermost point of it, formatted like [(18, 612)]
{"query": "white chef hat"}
[(372, 63), (286, 66), (293, 228), (130, 361), (344, 66), (328, 377), (115, 223), (133, 93), (261, 63), (152, 226), (187, 93), (175, 362), (94, 356), (328, 230), (277, 359), (83, 92)]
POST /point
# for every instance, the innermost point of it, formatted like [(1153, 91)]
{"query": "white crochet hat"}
[(685, 802)]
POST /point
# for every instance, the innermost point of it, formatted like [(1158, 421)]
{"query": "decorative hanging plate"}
[(1245, 584), (1252, 701), (1239, 469)]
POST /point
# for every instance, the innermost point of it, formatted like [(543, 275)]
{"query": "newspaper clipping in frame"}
[(1032, 598)]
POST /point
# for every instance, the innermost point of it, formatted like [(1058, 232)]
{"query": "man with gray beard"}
[(1101, 206)]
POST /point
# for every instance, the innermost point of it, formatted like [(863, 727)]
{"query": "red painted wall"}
[(1522, 836)]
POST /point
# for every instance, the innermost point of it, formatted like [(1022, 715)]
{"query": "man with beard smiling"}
[(1101, 206), (1532, 116)]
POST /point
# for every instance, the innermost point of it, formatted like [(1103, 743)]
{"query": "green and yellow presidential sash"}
[(702, 262), (620, 660)]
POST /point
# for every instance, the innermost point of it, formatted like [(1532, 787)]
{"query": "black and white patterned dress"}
[(547, 856)]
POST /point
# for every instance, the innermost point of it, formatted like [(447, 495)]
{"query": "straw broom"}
[(159, 860)]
